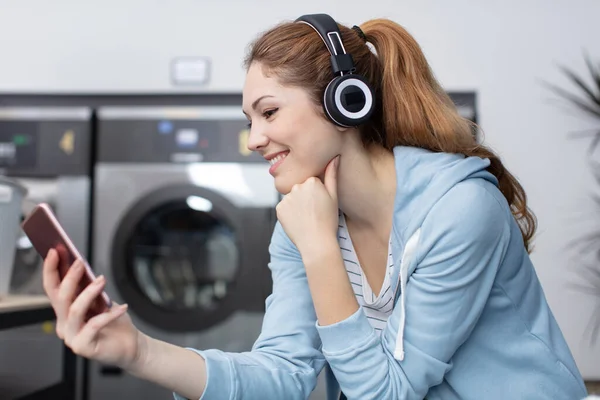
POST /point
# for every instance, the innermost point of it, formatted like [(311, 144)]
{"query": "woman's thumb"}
[(330, 177)]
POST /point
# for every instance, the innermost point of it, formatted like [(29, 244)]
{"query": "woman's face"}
[(288, 130)]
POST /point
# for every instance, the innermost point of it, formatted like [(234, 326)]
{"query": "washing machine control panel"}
[(45, 141), (173, 135)]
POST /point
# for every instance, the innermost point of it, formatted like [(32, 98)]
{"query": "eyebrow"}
[(255, 103)]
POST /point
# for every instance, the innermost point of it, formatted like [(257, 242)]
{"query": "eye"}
[(269, 113)]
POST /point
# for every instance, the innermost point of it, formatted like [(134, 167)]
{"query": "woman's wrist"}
[(173, 367), (320, 249), (137, 365)]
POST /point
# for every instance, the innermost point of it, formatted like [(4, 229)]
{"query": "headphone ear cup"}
[(348, 100)]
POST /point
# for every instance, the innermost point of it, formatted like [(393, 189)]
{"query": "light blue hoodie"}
[(471, 320)]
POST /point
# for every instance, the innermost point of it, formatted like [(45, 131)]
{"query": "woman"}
[(400, 258)]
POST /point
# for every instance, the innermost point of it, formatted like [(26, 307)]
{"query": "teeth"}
[(277, 158)]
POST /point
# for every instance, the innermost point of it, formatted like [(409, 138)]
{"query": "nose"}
[(257, 139)]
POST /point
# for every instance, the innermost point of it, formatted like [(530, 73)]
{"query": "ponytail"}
[(416, 111)]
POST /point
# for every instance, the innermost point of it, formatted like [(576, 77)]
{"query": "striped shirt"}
[(376, 308)]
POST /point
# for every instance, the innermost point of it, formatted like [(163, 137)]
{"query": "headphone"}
[(348, 98)]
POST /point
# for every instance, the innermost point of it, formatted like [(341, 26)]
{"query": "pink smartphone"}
[(45, 232)]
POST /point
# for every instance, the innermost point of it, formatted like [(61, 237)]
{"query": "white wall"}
[(500, 49)]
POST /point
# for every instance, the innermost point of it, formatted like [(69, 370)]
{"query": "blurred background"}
[(125, 116)]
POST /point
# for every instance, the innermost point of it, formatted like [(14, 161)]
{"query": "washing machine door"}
[(177, 256)]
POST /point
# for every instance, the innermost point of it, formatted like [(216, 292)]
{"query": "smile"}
[(276, 161), (277, 158)]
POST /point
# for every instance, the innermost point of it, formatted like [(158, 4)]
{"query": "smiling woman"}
[(286, 124), (400, 258)]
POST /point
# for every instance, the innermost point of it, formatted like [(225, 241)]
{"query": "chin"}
[(282, 186), (286, 179)]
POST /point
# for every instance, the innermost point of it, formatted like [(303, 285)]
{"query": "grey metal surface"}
[(14, 184), (180, 112), (45, 113), (73, 209), (244, 185), (11, 197), (31, 359)]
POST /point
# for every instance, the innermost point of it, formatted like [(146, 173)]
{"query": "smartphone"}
[(45, 232)]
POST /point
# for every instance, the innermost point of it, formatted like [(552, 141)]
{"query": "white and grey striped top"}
[(376, 308)]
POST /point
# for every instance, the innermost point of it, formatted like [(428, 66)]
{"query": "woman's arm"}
[(175, 368), (330, 288), (284, 362)]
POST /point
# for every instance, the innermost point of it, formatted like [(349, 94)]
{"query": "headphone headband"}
[(348, 98), (328, 30)]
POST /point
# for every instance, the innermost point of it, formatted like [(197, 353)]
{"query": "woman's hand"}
[(109, 337), (309, 213)]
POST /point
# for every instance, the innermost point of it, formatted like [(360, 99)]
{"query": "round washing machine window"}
[(183, 257), (176, 258)]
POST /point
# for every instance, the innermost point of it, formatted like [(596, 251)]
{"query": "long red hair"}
[(412, 109)]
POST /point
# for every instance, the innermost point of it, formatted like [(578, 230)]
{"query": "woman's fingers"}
[(80, 307), (50, 274), (68, 290), (84, 343)]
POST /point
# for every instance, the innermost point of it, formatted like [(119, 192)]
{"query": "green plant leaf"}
[(595, 98), (583, 289), (593, 158), (585, 243), (588, 244), (594, 71), (574, 100), (595, 325), (592, 276)]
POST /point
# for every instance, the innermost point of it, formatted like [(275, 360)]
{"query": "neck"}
[(367, 187)]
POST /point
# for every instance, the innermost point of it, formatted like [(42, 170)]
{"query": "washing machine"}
[(182, 222), (48, 150)]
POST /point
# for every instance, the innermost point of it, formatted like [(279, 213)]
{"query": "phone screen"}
[(45, 233), (45, 236)]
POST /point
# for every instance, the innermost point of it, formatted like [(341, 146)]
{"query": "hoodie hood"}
[(423, 177)]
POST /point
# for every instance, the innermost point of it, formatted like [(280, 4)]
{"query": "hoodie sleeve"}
[(286, 358), (462, 242)]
